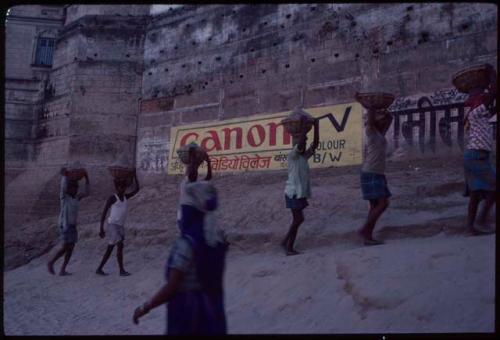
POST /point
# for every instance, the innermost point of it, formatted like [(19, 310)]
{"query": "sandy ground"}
[(428, 277)]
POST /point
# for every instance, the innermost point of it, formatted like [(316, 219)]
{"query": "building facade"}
[(88, 82)]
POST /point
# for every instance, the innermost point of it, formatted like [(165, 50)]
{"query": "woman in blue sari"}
[(195, 268)]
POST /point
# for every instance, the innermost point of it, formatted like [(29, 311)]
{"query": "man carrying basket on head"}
[(298, 187), (480, 176), (69, 198), (115, 227)]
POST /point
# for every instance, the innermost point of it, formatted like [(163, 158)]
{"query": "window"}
[(44, 51)]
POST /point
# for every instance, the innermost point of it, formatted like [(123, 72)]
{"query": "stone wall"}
[(123, 75), (217, 62)]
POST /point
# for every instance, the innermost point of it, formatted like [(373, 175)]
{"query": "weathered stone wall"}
[(84, 108), (217, 62), (23, 79)]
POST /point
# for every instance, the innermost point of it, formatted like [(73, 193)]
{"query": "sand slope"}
[(428, 277)]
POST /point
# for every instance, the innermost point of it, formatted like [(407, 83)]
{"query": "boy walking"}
[(373, 180), (480, 176), (116, 221), (298, 187), (69, 198)]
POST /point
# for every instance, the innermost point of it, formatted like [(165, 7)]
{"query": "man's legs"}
[(69, 251), (298, 218), (105, 258), (475, 199), (377, 207), (50, 264), (119, 256)]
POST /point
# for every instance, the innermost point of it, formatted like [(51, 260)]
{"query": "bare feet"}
[(50, 267), (65, 273), (372, 242), (472, 231), (291, 252), (124, 273), (100, 272), (368, 240)]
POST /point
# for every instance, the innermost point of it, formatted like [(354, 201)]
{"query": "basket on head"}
[(476, 76), (75, 171), (294, 122), (199, 153), (121, 168), (375, 100)]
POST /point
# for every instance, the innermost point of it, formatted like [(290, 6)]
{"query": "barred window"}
[(44, 51)]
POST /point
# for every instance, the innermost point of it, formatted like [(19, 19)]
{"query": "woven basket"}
[(293, 124), (199, 153), (473, 77), (121, 173), (375, 100), (75, 174)]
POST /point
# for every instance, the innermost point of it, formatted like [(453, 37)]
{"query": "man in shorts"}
[(116, 221)]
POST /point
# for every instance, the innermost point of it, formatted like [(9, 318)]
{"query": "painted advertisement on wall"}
[(431, 123), (257, 143)]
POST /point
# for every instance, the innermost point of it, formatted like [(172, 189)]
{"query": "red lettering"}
[(214, 138), (227, 137), (273, 131), (261, 133), (186, 136)]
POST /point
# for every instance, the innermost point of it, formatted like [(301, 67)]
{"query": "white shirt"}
[(118, 211)]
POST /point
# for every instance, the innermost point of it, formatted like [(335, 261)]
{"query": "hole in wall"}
[(336, 55), (313, 9), (149, 73), (193, 43), (287, 65), (313, 60), (264, 71), (183, 65), (199, 62), (95, 54), (282, 26), (288, 16), (210, 39), (241, 76), (244, 30), (409, 8), (161, 51), (389, 43), (166, 70), (218, 58)]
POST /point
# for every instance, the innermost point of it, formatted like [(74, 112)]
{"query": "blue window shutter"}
[(44, 51)]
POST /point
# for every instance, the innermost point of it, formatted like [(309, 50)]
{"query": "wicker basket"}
[(294, 123), (75, 174), (199, 153), (121, 173), (473, 77), (375, 100)]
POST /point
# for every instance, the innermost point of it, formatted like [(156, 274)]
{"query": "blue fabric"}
[(68, 235), (199, 312), (479, 171), (374, 186), (194, 312), (295, 203)]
